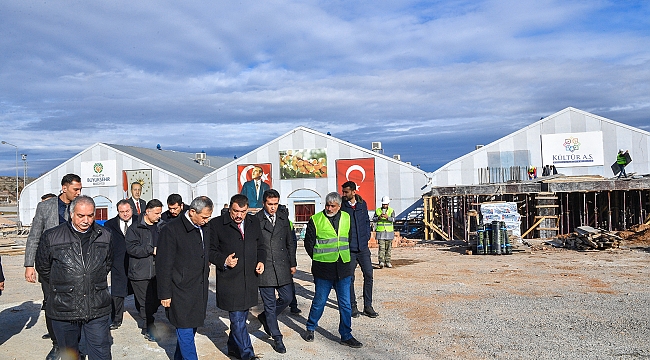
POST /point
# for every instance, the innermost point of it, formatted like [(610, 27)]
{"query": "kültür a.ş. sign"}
[(573, 149)]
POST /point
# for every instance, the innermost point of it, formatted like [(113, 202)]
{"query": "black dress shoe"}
[(351, 342), (309, 336), (279, 345), (115, 325), (46, 336), (262, 318), (295, 311), (370, 312), (54, 354), (355, 312), (233, 353)]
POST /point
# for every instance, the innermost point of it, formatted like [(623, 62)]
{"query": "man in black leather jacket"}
[(74, 258)]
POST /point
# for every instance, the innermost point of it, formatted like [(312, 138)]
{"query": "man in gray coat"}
[(49, 213), (279, 267)]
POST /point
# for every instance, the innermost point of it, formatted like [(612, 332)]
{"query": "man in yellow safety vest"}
[(326, 242), (384, 232)]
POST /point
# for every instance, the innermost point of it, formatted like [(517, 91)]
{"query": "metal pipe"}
[(561, 215), (465, 217), (568, 213), (596, 209), (640, 208), (527, 214), (624, 213), (450, 207), (585, 213), (609, 209)]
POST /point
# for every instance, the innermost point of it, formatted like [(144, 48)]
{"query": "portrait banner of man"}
[(362, 172), (142, 176), (253, 180)]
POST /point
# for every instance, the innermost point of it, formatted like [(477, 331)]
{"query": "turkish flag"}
[(362, 172)]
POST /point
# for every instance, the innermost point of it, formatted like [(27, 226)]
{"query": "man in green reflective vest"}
[(326, 242), (621, 160), (384, 232)]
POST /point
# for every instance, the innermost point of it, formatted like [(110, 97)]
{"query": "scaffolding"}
[(548, 206)]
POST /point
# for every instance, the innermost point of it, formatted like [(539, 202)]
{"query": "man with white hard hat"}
[(384, 232)]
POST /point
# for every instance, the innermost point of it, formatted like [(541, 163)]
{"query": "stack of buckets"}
[(492, 238)]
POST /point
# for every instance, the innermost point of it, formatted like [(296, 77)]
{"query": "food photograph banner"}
[(247, 176), (303, 164), (573, 149), (362, 172), (143, 176), (98, 173)]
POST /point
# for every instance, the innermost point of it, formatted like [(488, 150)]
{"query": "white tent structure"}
[(574, 141)]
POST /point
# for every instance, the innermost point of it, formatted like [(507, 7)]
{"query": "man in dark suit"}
[(175, 207), (49, 213), (183, 249), (237, 250), (279, 267), (137, 205), (255, 188), (119, 281), (357, 208)]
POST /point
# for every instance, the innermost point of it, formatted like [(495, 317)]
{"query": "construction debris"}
[(8, 246), (398, 241), (588, 238)]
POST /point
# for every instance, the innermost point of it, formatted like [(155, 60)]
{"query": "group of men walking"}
[(164, 259)]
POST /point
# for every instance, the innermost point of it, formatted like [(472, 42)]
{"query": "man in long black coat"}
[(237, 250), (119, 280), (279, 267), (183, 270)]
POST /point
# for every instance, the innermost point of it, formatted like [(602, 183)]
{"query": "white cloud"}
[(120, 71)]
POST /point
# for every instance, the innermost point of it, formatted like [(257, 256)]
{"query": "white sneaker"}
[(389, 265)]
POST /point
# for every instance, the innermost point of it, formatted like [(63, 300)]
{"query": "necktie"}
[(125, 226), (137, 205), (273, 220), (241, 230), (66, 213)]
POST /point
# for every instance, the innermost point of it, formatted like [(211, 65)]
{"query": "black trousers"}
[(96, 333), (146, 293), (274, 306), (294, 300), (363, 259), (117, 311), (48, 322)]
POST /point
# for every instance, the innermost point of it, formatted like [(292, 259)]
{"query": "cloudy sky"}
[(429, 79)]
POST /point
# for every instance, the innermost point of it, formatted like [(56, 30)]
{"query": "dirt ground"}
[(436, 302)]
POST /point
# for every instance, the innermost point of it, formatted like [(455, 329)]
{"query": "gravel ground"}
[(435, 303)]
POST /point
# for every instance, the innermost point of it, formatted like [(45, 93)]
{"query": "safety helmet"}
[(385, 200), (621, 150)]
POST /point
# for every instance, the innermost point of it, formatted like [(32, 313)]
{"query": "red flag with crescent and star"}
[(362, 172)]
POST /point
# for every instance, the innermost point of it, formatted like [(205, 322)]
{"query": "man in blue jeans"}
[(357, 208), (326, 242)]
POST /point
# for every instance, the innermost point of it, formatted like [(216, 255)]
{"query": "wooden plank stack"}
[(9, 247), (589, 238)]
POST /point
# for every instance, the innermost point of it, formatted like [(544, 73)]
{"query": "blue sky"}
[(429, 79)]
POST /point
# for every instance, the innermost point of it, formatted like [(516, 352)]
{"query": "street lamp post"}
[(24, 157), (6, 143)]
